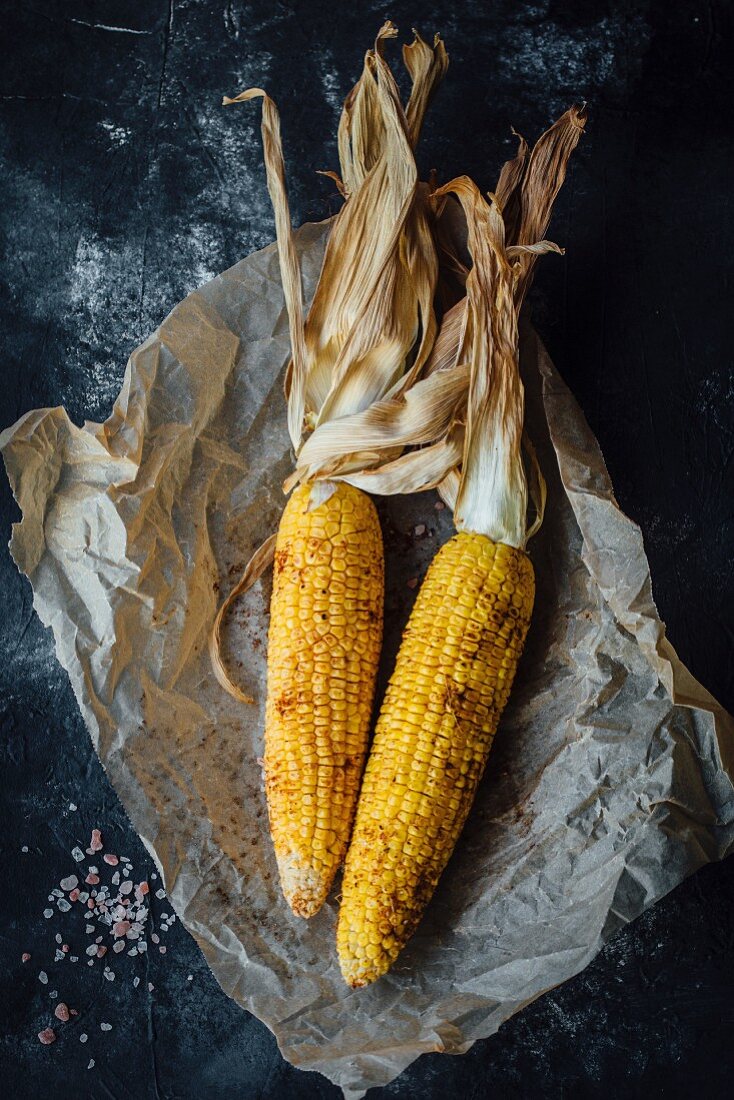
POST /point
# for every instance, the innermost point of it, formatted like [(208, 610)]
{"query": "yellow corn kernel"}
[(457, 690), (321, 676)]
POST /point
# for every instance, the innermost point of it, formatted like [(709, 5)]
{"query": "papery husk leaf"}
[(290, 267), (427, 67), (492, 494), (413, 472)]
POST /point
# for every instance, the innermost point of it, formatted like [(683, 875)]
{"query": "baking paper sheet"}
[(601, 793)]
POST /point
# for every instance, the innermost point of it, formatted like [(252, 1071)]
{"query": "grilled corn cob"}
[(367, 335), (464, 638), (323, 649), (452, 679)]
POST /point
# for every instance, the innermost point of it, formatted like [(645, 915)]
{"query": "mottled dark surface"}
[(124, 186)]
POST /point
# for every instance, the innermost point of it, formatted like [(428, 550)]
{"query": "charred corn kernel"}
[(321, 676), (415, 834)]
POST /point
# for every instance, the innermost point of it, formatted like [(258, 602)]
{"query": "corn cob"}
[(367, 335), (323, 649), (452, 679), (464, 638)]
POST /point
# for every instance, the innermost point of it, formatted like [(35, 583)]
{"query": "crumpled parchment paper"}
[(601, 794)]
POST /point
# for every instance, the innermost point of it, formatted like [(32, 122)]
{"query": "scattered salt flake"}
[(126, 872), (90, 1063), (56, 893), (154, 876), (412, 582), (420, 529), (96, 842), (73, 958), (92, 870), (160, 893), (126, 888), (101, 951), (98, 939), (43, 977), (116, 878), (58, 956), (72, 806), (78, 854), (124, 859), (24, 957), (106, 1027), (54, 994), (69, 883), (136, 982), (63, 905), (110, 859), (74, 895), (90, 962), (47, 1036), (189, 977), (58, 938), (133, 951), (48, 913), (109, 975), (24, 848), (89, 928), (155, 938), (91, 879), (83, 1037), (91, 950), (61, 1012), (118, 947), (74, 1011), (162, 950), (151, 987)]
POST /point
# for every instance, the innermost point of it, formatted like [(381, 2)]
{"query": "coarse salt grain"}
[(160, 893), (47, 1036), (126, 888), (24, 848), (420, 529), (73, 958), (106, 1027), (48, 913), (63, 905), (74, 895), (109, 975), (69, 883), (90, 1063), (78, 854), (83, 1037), (91, 950), (88, 928), (136, 982), (43, 977), (101, 951), (58, 937), (151, 987), (54, 994), (162, 950), (96, 842), (189, 977), (92, 879), (155, 938), (110, 859), (118, 947), (72, 807), (61, 1012), (116, 878), (24, 957), (121, 928)]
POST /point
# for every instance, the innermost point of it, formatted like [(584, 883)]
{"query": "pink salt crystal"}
[(64, 947), (162, 950), (439, 506), (90, 903), (143, 888), (101, 951), (74, 1011), (47, 1036), (412, 582), (112, 860), (420, 529), (61, 1012), (92, 880), (74, 895), (24, 957), (96, 842), (121, 928)]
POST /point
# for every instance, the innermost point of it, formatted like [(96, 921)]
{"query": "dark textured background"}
[(124, 186)]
